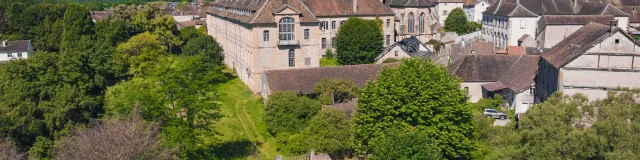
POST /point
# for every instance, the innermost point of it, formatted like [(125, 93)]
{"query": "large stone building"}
[(259, 35), (554, 28), (593, 60), (415, 18)]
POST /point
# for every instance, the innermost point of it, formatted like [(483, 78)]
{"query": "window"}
[(9, 55), (388, 39), (411, 22), (324, 43), (421, 23), (306, 33), (324, 25), (617, 41), (265, 36), (523, 23), (532, 90), (287, 29), (19, 55), (445, 12), (388, 22), (395, 53), (466, 90), (333, 24), (333, 42), (292, 58)]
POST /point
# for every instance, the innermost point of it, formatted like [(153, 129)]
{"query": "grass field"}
[(242, 125)]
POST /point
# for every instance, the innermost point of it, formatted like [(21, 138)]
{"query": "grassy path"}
[(242, 125)]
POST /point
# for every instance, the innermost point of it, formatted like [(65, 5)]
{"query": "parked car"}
[(493, 113)]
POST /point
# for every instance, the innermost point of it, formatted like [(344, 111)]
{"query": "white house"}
[(606, 9), (444, 7), (592, 61), (474, 8), (554, 28), (20, 49)]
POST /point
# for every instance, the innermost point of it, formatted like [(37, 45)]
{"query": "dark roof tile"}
[(304, 80), (409, 3), (482, 67), (577, 43), (20, 45), (522, 74), (576, 19), (601, 9), (323, 8)]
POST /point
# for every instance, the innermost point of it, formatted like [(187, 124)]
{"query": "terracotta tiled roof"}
[(515, 50), (304, 80), (577, 43), (485, 48), (522, 74), (469, 2), (601, 9), (482, 67), (21, 45), (263, 10), (323, 8), (493, 86), (576, 19), (409, 3)]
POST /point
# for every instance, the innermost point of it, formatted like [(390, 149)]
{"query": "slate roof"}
[(348, 108), (325, 8), (601, 9), (485, 68), (578, 43), (263, 10), (303, 80), (576, 19), (409, 3), (508, 8), (412, 46), (524, 8), (20, 45)]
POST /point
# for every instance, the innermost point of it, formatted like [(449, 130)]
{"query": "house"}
[(511, 76), (594, 8), (506, 21), (444, 7), (593, 60), (474, 8), (554, 28), (303, 80), (260, 35), (20, 49), (333, 13), (415, 18), (407, 48), (193, 23), (188, 13), (634, 18), (100, 15)]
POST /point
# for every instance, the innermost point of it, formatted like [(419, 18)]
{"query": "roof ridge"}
[(259, 12)]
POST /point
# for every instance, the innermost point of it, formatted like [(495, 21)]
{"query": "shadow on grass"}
[(235, 149)]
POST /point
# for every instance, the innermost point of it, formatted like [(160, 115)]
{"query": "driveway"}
[(499, 122)]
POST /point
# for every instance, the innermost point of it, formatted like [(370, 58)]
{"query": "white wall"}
[(14, 55), (478, 9), (523, 101), (184, 18), (475, 90), (515, 30), (448, 7), (553, 34)]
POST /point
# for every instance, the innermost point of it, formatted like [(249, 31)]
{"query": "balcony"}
[(288, 42)]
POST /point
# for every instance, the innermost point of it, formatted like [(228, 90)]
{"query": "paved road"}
[(499, 122)]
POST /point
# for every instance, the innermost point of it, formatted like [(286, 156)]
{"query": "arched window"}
[(292, 58), (411, 22), (421, 23), (287, 29)]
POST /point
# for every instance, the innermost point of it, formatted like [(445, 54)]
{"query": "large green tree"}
[(287, 112), (77, 25), (405, 144), (328, 132), (456, 22), (331, 91), (205, 46), (359, 41), (417, 94)]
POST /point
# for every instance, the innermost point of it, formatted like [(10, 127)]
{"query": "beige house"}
[(444, 7), (593, 60), (554, 28), (407, 48), (260, 35), (416, 18)]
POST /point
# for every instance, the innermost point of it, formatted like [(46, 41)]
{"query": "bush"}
[(456, 22), (359, 41), (328, 62), (288, 112), (405, 144), (328, 54), (329, 132), (292, 144), (391, 60)]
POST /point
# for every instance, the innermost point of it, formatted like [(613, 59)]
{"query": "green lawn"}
[(242, 125)]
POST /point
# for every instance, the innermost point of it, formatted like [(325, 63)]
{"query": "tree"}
[(332, 91), (359, 41), (419, 94), (190, 32), (77, 24), (456, 22), (140, 54), (288, 112), (328, 132), (473, 26), (405, 144), (204, 46), (117, 138)]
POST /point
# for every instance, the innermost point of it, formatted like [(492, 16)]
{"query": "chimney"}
[(614, 24), (355, 6)]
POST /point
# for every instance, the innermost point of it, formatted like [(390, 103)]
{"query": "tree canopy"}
[(416, 94), (359, 41), (288, 112), (328, 132), (332, 91), (405, 144), (456, 22)]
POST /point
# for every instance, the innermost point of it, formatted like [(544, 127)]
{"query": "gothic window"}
[(287, 29), (292, 58), (421, 23), (411, 22)]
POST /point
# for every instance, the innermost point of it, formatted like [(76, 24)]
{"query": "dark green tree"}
[(417, 94), (405, 144), (77, 24), (328, 132), (456, 22), (359, 41), (288, 112), (190, 32), (331, 91), (204, 46)]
